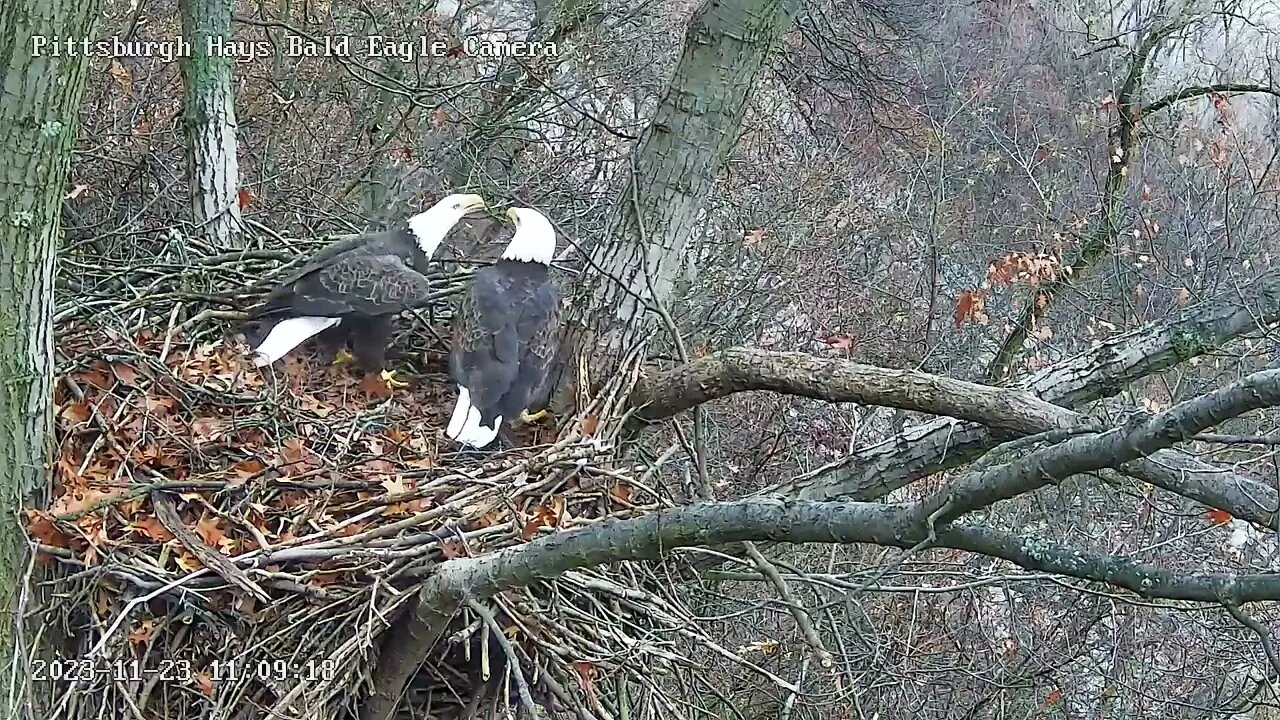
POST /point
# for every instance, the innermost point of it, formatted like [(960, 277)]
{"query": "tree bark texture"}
[(39, 100), (836, 380), (209, 120), (674, 170)]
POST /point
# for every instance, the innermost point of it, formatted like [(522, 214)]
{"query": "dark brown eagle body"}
[(351, 289), (504, 337)]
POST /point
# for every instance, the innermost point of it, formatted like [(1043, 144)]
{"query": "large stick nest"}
[(229, 542)]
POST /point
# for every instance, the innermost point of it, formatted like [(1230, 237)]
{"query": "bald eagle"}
[(503, 333), (350, 290)]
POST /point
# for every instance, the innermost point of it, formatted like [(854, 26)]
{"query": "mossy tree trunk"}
[(39, 102), (209, 120), (697, 124)]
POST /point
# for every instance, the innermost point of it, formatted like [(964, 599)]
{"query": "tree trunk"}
[(38, 120), (210, 120), (697, 124)]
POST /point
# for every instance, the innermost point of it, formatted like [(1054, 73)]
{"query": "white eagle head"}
[(431, 226), (535, 239)]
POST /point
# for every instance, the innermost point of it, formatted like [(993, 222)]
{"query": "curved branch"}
[(1198, 90), (657, 534), (834, 380)]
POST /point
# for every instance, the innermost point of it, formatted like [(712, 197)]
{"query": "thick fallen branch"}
[(657, 534), (833, 380)]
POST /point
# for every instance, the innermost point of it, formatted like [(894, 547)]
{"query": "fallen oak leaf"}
[(452, 549), (754, 237), (621, 493), (209, 528), (964, 307), (374, 386), (1219, 517), (140, 636), (76, 412), (40, 525), (151, 527), (246, 469), (204, 683), (205, 429), (126, 373)]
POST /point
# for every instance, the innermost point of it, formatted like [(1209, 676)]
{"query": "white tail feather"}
[(460, 410), (464, 423), (287, 335)]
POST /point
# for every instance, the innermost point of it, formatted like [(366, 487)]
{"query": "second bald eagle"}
[(504, 333), (351, 289)]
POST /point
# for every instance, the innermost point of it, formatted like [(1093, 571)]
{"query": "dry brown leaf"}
[(125, 373), (395, 485), (121, 75), (1218, 517), (205, 429), (529, 529), (140, 636), (210, 531), (95, 377), (840, 341), (150, 526), (293, 450), (586, 673), (76, 412), (964, 307), (588, 424), (245, 469), (204, 683), (184, 559), (621, 493), (452, 549), (373, 385), (40, 525), (161, 405)]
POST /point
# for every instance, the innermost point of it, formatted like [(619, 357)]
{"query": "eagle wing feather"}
[(539, 325), (359, 283), (486, 338)]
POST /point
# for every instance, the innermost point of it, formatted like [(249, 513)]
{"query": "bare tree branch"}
[(654, 536), (1115, 447), (1104, 371), (1199, 90), (834, 380)]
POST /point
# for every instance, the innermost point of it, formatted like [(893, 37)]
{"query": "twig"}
[(799, 613)]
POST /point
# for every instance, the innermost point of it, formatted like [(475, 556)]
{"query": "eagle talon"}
[(342, 357), (527, 419), (389, 377)]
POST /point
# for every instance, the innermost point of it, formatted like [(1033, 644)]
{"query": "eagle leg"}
[(330, 343), (369, 338)]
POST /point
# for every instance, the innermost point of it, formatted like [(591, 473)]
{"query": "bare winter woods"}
[(916, 362)]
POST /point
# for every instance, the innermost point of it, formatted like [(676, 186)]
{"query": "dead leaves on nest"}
[(202, 423)]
